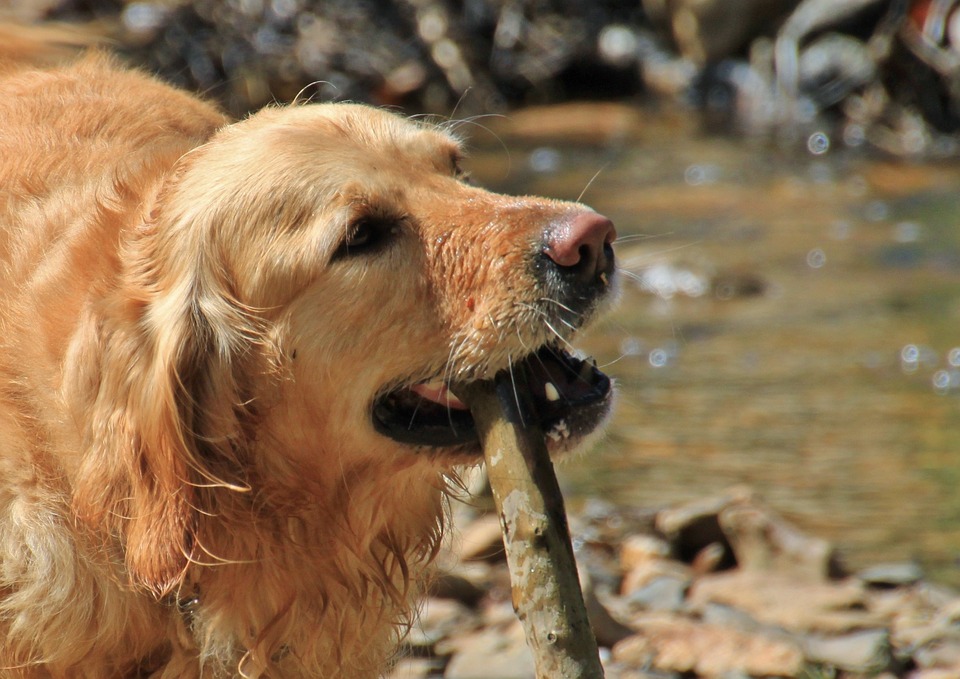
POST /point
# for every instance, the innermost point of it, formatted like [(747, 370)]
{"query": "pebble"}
[(660, 594), (684, 645), (492, 654), (891, 574), (640, 549), (666, 601), (783, 600), (865, 652), (481, 540)]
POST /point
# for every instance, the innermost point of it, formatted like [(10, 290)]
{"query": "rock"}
[(708, 559), (640, 549), (727, 616), (865, 652), (676, 644), (674, 520), (763, 541), (891, 575), (416, 668), (499, 614), (606, 629), (619, 671), (783, 600), (664, 593), (758, 538), (917, 616), (495, 653), (438, 618), (645, 573), (481, 540), (952, 673), (942, 654), (459, 586), (584, 122)]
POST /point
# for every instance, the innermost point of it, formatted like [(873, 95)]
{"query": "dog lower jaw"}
[(571, 397)]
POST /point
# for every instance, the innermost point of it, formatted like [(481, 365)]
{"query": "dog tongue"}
[(438, 393)]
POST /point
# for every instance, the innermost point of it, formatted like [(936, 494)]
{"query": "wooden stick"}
[(543, 574)]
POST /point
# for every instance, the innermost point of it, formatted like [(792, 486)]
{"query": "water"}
[(792, 322)]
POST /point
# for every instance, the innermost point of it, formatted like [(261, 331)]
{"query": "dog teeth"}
[(551, 392), (559, 431)]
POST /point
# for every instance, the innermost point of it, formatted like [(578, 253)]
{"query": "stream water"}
[(790, 321)]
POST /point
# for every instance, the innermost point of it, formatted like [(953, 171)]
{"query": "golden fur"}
[(189, 483)]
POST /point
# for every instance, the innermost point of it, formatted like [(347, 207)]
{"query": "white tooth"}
[(551, 392)]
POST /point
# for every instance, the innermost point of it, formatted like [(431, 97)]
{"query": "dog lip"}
[(570, 395), (407, 417)]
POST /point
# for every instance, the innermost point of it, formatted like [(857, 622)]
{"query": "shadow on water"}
[(789, 321)]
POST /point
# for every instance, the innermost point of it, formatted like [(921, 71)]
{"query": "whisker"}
[(633, 237), (559, 304), (315, 83), (632, 275), (595, 175), (448, 375), (413, 415), (559, 336), (516, 392), (543, 314), (463, 95), (634, 261), (604, 366), (452, 125)]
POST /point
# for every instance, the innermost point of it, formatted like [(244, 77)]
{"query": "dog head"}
[(304, 289)]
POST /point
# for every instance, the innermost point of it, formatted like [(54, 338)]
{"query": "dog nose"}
[(582, 245)]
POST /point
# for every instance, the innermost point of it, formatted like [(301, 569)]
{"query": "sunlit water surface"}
[(788, 321)]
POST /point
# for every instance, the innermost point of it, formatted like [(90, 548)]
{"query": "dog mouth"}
[(571, 397)]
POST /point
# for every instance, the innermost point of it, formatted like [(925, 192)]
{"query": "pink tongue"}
[(438, 394)]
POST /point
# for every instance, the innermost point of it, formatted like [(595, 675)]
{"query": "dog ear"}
[(162, 364)]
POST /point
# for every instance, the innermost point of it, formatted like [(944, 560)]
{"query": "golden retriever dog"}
[(226, 351)]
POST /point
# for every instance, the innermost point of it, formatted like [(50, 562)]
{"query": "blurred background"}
[(783, 175)]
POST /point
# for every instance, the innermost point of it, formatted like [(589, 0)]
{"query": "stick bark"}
[(543, 574)]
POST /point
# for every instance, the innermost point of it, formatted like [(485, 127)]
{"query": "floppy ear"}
[(160, 373)]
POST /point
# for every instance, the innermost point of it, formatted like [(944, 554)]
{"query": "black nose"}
[(581, 246)]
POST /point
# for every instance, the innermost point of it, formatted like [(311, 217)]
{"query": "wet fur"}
[(189, 483)]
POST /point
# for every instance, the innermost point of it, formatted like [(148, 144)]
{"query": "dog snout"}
[(581, 246)]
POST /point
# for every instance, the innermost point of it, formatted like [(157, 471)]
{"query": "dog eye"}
[(458, 172), (367, 234), (362, 235)]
